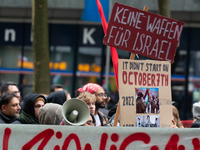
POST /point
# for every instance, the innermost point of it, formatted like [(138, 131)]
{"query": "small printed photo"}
[(147, 100), (148, 121)]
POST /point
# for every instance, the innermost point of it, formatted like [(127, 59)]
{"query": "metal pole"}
[(107, 69), (185, 105)]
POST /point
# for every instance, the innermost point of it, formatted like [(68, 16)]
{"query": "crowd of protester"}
[(38, 108)]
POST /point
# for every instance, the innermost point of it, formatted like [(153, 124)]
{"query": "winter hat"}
[(196, 110)]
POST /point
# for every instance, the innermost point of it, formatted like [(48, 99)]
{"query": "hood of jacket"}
[(28, 103), (51, 114), (57, 97)]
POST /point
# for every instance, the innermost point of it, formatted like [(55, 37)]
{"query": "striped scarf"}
[(27, 119)]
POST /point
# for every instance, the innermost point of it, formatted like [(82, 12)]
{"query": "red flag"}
[(114, 54), (136, 91)]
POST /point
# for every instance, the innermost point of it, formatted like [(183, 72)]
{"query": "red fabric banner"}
[(114, 54)]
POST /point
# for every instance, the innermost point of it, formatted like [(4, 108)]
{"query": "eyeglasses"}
[(101, 95)]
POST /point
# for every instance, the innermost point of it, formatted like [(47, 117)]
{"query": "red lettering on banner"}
[(153, 80), (140, 79), (68, 140), (173, 143), (45, 135), (104, 138), (158, 80), (114, 138), (166, 80), (196, 143), (7, 133), (135, 137), (135, 73), (124, 77), (154, 147), (129, 82), (162, 76), (148, 79), (88, 147), (145, 79)]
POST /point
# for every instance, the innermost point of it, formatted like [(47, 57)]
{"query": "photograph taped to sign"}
[(148, 121), (143, 33), (147, 100)]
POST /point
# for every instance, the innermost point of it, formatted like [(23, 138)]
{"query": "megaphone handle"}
[(73, 115)]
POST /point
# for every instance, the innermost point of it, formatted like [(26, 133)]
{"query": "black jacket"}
[(6, 119), (196, 124)]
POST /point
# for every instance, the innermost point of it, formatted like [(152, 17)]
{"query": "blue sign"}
[(91, 13)]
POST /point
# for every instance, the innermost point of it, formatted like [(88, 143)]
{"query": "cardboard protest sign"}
[(143, 33), (55, 137), (145, 93)]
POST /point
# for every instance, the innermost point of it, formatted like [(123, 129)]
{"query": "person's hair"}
[(4, 87), (93, 119), (66, 93), (52, 88), (177, 120), (6, 98), (77, 93), (86, 96)]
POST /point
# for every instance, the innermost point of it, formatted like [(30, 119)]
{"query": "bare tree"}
[(40, 46), (164, 8)]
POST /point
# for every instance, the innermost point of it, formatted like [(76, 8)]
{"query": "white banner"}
[(47, 137)]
